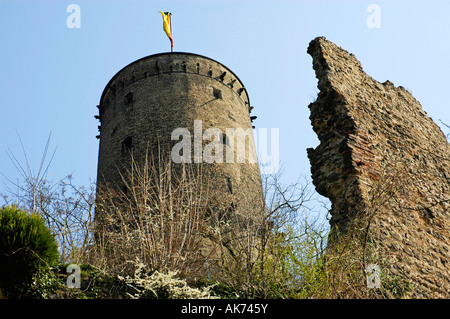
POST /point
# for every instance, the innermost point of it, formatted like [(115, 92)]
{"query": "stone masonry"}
[(146, 101), (381, 157)]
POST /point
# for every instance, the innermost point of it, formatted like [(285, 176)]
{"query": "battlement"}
[(167, 63)]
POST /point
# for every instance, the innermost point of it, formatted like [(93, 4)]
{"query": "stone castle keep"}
[(147, 100), (380, 157), (383, 159)]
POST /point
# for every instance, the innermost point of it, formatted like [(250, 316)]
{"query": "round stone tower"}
[(191, 107)]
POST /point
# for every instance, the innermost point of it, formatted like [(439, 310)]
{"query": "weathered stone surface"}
[(381, 157)]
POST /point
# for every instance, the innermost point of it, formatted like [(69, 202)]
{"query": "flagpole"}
[(171, 32)]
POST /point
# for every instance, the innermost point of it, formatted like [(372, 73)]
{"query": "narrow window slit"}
[(127, 145), (217, 93), (128, 99)]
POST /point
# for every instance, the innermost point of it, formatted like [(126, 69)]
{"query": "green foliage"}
[(94, 284), (27, 248), (44, 284), (394, 287), (219, 289)]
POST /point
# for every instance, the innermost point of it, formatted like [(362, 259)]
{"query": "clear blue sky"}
[(51, 76)]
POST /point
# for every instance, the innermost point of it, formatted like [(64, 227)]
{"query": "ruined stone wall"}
[(381, 157)]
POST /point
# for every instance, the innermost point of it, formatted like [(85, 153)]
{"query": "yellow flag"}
[(167, 25)]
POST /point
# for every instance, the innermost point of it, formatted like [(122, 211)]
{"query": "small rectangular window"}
[(127, 145), (217, 93), (128, 98)]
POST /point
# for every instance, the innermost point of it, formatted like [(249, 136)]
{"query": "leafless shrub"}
[(351, 251), (169, 218), (268, 259), (159, 216), (67, 209)]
